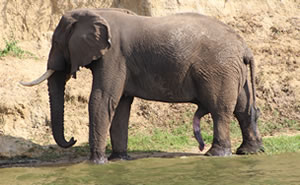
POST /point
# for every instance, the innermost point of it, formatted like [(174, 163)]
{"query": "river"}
[(255, 169)]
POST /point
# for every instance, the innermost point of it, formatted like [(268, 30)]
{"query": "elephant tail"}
[(249, 59)]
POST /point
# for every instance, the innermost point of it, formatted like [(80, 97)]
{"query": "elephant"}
[(179, 58)]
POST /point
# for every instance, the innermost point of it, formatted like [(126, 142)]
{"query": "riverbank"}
[(161, 144)]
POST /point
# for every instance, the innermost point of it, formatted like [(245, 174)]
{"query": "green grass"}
[(269, 128), (282, 144), (160, 139), (181, 137), (12, 49), (166, 141)]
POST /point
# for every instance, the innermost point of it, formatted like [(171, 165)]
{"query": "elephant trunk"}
[(56, 88)]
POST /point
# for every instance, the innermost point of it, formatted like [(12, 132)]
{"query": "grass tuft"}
[(12, 49)]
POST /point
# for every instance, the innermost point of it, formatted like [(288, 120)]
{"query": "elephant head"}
[(80, 38)]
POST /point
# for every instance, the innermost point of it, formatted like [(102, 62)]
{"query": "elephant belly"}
[(158, 88)]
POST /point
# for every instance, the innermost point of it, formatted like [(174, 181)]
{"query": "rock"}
[(17, 147)]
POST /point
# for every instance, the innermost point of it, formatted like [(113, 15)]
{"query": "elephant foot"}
[(218, 151), (98, 159), (101, 160), (246, 149), (119, 156)]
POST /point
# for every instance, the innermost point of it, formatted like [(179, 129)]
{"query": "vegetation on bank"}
[(282, 144), (181, 139), (12, 49)]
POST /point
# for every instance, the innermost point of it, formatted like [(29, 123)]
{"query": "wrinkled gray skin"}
[(184, 57)]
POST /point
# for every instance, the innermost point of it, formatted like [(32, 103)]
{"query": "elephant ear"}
[(89, 40)]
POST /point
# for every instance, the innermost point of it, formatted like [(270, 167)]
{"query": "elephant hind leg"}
[(221, 106), (247, 117), (252, 142), (119, 129), (221, 145), (196, 126)]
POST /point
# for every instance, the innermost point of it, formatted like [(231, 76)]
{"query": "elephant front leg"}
[(101, 112), (119, 130)]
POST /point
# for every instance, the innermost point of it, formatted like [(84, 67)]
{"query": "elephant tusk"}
[(44, 77)]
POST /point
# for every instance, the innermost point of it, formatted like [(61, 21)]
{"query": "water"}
[(259, 169)]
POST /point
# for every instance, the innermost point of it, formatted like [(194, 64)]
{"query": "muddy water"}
[(261, 169)]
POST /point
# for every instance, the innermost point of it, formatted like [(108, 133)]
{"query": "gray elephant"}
[(181, 58)]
